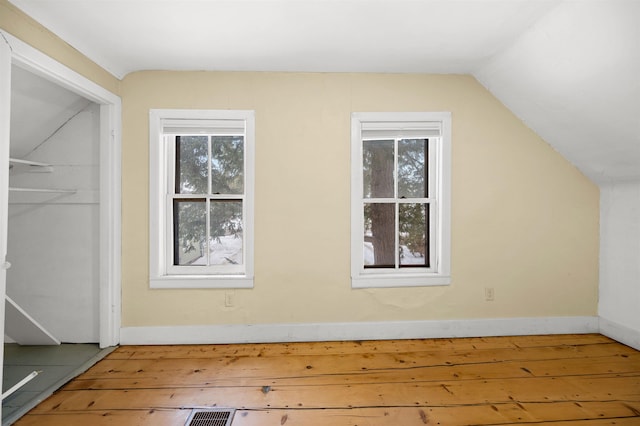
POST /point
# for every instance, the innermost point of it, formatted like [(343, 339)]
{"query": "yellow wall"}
[(525, 221), (18, 24)]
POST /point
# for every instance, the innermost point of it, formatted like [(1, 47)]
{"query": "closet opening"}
[(62, 262), (52, 308)]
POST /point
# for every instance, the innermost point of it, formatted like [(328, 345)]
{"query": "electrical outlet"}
[(489, 294), (229, 298)]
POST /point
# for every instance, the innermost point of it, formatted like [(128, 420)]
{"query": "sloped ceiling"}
[(569, 69), (574, 77), (38, 109)]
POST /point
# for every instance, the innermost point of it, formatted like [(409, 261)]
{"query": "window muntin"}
[(201, 198), (400, 199)]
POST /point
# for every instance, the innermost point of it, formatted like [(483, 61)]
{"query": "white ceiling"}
[(444, 36), (569, 69)]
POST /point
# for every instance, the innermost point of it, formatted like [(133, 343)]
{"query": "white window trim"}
[(440, 274), (158, 217)]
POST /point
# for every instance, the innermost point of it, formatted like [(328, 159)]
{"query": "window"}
[(400, 189), (201, 198)]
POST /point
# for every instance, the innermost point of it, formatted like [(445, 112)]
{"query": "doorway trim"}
[(34, 61)]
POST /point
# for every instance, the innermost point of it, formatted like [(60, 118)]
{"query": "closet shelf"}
[(37, 195), (31, 166), (28, 162)]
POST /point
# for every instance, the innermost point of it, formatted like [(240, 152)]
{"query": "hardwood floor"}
[(566, 380)]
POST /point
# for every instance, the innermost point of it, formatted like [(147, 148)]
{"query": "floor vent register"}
[(210, 417)]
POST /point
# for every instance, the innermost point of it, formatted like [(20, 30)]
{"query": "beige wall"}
[(18, 24), (525, 221)]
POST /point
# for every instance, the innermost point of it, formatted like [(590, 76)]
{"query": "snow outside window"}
[(400, 186), (201, 195)]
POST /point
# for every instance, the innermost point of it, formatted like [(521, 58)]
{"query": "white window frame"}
[(161, 171), (399, 124)]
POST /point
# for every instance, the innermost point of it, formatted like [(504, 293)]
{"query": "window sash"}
[(431, 174), (170, 143), (431, 166), (431, 223), (172, 268)]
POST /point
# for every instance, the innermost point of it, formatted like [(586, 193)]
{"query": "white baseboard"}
[(313, 332), (621, 333)]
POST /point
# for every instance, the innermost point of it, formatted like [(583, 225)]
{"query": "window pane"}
[(412, 156), (414, 233), (189, 232), (379, 235), (377, 163), (227, 165), (225, 244), (192, 153)]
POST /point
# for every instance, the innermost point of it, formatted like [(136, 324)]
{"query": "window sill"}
[(399, 281), (201, 281)]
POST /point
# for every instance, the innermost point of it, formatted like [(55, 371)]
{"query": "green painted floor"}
[(58, 365)]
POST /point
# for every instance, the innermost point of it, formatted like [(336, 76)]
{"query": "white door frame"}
[(5, 107), (32, 60)]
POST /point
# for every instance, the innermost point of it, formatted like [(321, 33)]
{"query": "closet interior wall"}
[(53, 239)]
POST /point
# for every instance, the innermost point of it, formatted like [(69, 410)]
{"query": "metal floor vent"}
[(211, 417)]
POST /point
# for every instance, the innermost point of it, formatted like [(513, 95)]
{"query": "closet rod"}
[(59, 191)]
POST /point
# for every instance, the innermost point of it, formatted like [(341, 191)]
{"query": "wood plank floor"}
[(562, 380)]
